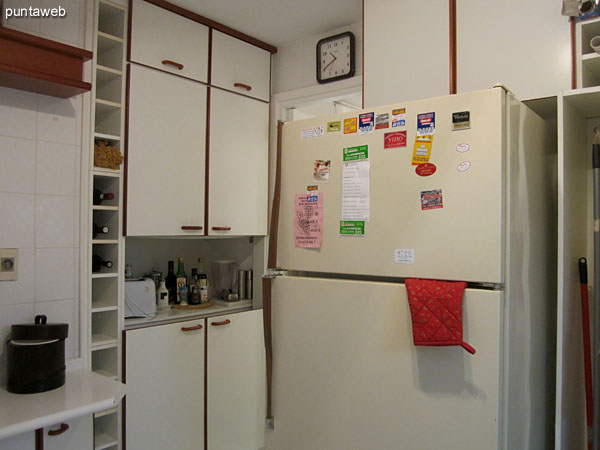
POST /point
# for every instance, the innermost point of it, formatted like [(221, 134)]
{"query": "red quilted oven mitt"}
[(436, 312)]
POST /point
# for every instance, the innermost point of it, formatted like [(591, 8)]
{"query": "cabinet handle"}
[(219, 324), (168, 62), (221, 228), (194, 328), (243, 86), (63, 427), (191, 227)]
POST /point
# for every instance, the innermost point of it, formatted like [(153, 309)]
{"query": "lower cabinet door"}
[(236, 382), (23, 441), (165, 387), (76, 434)]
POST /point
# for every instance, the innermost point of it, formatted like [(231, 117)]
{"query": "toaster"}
[(140, 298)]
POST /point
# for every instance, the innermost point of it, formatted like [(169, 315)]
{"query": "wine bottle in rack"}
[(100, 196), (97, 229), (98, 263)]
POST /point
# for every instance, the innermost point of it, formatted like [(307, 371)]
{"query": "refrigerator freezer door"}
[(346, 375), (460, 241)]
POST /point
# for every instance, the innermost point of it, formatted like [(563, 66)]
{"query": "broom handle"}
[(587, 355), (596, 361)]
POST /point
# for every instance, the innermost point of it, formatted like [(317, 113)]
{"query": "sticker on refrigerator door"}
[(308, 222), (462, 148), (461, 120), (366, 122), (358, 153), (426, 124), (312, 193), (334, 126), (431, 199), (382, 121), (399, 117), (422, 150), (463, 166), (321, 170), (350, 125), (352, 227), (395, 139), (313, 132), (356, 172), (425, 170), (404, 255)]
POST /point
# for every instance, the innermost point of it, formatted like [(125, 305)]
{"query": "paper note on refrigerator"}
[(356, 184), (308, 221)]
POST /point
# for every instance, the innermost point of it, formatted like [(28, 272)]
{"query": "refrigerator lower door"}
[(346, 375)]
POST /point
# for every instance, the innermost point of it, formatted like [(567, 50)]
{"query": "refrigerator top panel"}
[(442, 219)]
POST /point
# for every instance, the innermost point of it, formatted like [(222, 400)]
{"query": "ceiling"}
[(278, 22)]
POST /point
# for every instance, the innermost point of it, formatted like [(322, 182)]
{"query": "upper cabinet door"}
[(168, 41), (239, 147), (165, 154), (525, 45), (240, 67)]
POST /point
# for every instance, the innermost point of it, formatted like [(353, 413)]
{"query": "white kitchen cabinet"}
[(165, 386), (76, 434), (238, 168), (524, 45), (166, 154), (240, 67), (168, 41), (236, 382)]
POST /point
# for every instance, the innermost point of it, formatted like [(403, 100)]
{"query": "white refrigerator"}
[(477, 205)]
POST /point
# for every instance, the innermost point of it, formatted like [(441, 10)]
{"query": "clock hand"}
[(330, 63), (334, 58)]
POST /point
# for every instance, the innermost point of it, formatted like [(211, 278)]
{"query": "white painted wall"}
[(294, 66), (41, 143)]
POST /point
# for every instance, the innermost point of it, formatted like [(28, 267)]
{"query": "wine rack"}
[(106, 283)]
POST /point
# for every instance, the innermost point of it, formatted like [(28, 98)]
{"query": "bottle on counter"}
[(97, 229), (202, 281), (182, 284), (98, 263), (194, 289), (171, 283), (99, 196), (162, 296)]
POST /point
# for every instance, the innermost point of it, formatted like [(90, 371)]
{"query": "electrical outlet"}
[(9, 263)]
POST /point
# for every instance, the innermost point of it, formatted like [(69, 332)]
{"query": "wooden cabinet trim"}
[(212, 24)]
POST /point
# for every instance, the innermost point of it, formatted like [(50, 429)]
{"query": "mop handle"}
[(587, 358)]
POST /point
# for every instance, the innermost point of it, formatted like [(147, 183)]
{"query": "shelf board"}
[(587, 100), (103, 441), (107, 412), (105, 275), (102, 340), (106, 106), (105, 208), (106, 373), (105, 308), (105, 74), (34, 64), (107, 41), (105, 241), (111, 137)]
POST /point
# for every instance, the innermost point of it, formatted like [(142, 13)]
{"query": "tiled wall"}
[(40, 178)]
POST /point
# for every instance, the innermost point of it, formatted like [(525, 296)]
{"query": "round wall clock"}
[(335, 57)]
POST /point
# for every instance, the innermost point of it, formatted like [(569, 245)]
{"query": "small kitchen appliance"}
[(140, 298), (36, 356)]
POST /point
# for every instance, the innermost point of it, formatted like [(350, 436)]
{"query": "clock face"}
[(335, 57)]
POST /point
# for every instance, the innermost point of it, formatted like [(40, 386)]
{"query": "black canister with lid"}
[(36, 356)]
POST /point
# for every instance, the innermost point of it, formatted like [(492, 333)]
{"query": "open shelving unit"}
[(106, 284), (588, 61)]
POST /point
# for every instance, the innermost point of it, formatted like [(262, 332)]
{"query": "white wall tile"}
[(16, 220), (18, 113), (59, 120), (54, 221), (22, 290), (17, 168), (10, 315), (55, 273), (64, 29), (56, 169), (63, 311)]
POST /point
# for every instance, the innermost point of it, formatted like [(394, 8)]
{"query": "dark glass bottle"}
[(100, 196), (98, 263), (97, 229), (171, 283)]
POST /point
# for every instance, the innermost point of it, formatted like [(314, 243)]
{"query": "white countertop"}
[(84, 392), (170, 315)]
